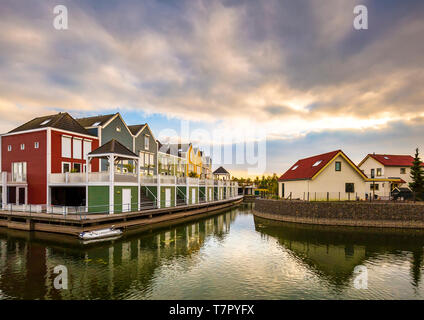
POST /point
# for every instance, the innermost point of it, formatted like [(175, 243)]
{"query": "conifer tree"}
[(417, 174)]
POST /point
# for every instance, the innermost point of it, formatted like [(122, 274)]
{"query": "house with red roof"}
[(33, 153), (327, 176), (386, 167)]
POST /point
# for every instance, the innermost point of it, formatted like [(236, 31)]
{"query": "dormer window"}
[(295, 167), (96, 124), (45, 122), (317, 163)]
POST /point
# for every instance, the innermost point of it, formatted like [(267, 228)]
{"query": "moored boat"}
[(100, 234)]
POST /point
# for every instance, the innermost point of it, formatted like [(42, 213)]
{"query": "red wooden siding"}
[(56, 151), (36, 160)]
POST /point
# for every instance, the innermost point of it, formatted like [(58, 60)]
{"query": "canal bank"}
[(354, 214), (75, 224)]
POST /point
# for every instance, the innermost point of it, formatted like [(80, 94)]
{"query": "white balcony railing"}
[(126, 177), (167, 179), (68, 177), (148, 180), (16, 179), (192, 181)]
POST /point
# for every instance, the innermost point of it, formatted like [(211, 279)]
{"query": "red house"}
[(36, 156)]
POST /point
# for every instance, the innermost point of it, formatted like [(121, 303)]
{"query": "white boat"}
[(100, 234)]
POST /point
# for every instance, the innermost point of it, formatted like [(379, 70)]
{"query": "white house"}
[(389, 170), (331, 176)]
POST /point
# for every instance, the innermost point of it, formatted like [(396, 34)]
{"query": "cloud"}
[(295, 68)]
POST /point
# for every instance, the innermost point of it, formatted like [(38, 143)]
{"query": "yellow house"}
[(194, 160)]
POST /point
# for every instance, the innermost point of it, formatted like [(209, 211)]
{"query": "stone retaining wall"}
[(366, 214)]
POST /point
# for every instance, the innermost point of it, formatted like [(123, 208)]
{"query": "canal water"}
[(227, 255)]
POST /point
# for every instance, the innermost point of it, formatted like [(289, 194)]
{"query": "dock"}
[(77, 223)]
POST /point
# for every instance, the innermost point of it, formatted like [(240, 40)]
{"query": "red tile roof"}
[(305, 169), (392, 160)]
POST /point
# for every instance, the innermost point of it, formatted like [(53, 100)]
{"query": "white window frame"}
[(36, 145), (22, 146), (23, 171), (77, 150), (77, 163), (70, 166), (85, 144), (9, 147), (63, 153), (146, 145)]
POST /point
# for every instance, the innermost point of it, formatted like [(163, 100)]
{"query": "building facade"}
[(39, 148)]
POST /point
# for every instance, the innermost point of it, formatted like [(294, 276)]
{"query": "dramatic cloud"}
[(296, 68)]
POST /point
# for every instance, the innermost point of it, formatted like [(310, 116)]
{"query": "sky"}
[(287, 79)]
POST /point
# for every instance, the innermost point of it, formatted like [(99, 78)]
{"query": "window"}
[(317, 163), (372, 173), (87, 148), (77, 167), (387, 158), (151, 160), (350, 187), (66, 167), (374, 186), (19, 171), (402, 170), (22, 146), (146, 160), (36, 145), (146, 142), (77, 150), (45, 122), (338, 166), (9, 148), (379, 172), (96, 124), (295, 167), (142, 158), (118, 129), (66, 147)]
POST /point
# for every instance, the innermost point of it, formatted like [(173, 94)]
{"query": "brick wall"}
[(343, 213)]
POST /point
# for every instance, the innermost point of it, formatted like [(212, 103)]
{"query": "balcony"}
[(15, 179), (167, 179), (192, 181), (148, 180)]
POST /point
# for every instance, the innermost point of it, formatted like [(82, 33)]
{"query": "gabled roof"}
[(309, 168), (96, 121), (391, 160), (174, 149), (113, 146), (63, 121), (135, 129), (221, 170)]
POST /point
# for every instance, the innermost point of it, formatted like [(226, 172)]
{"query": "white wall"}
[(329, 180)]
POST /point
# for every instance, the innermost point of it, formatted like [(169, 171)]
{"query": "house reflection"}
[(333, 252), (103, 270)]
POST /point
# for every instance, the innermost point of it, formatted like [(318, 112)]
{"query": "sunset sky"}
[(296, 70)]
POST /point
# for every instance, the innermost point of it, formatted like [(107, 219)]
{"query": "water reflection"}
[(228, 255), (333, 252), (106, 270)]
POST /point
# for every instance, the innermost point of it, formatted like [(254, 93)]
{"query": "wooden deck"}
[(74, 224)]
